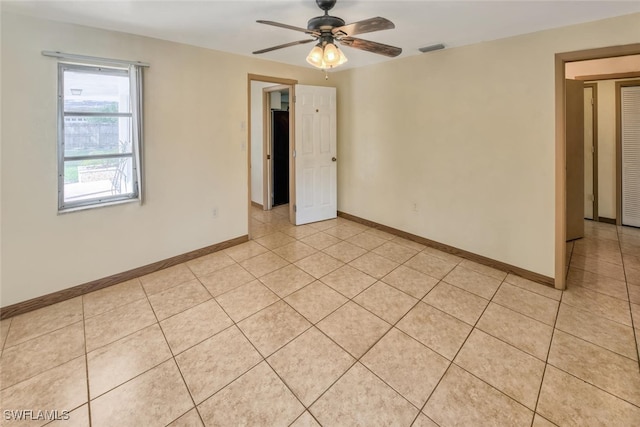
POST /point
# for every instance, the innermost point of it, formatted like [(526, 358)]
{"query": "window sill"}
[(97, 205)]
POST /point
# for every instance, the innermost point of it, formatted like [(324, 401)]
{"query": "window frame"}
[(134, 114)]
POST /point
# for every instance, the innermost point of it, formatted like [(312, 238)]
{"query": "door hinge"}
[(268, 156), (295, 208), (294, 153), (295, 99), (591, 101), (593, 148)]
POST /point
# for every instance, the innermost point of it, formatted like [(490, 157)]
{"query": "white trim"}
[(93, 59)]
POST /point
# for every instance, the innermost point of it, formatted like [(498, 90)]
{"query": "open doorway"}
[(270, 161), (562, 147)]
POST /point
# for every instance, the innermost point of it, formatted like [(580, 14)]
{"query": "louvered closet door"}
[(630, 132)]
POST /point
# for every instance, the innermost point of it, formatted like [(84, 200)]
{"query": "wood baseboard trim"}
[(536, 277), (256, 205), (65, 294), (606, 220)]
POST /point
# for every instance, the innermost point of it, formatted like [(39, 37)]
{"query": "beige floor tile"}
[(107, 299), (319, 264), (456, 302), (354, 328), (472, 281), (178, 299), (410, 281), (528, 303), (595, 282), (4, 330), (406, 365), (430, 265), (408, 243), (190, 419), (462, 399), (437, 330), (245, 251), (445, 256), (272, 328), (483, 269), (386, 302), (568, 401), (534, 287), (359, 398), (320, 240), (62, 388), (345, 251), (275, 240), (598, 330), (343, 232), (260, 229), (516, 329), (514, 372), (108, 327), (156, 397), (598, 266), (118, 362), (423, 421), (595, 249), (539, 421), (366, 241), (35, 356), (316, 301), (381, 234), (632, 261), (598, 303), (633, 274), (257, 398), (325, 225), (348, 281), (193, 326), (210, 263), (295, 251), (287, 280), (264, 264), (310, 364), (606, 370), (634, 294), (44, 320), (395, 252), (300, 231), (305, 420), (242, 302), (374, 265), (162, 280), (216, 362), (79, 417), (226, 279)]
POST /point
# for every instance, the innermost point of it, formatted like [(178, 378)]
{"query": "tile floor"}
[(333, 324)]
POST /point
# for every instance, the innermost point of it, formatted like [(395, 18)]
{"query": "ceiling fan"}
[(326, 30)]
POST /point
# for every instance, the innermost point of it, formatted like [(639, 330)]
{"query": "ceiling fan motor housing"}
[(324, 23)]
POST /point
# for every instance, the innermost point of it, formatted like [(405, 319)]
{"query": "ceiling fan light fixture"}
[(331, 55), (316, 55)]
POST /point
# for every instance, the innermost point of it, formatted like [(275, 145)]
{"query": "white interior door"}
[(315, 154), (630, 133), (588, 153)]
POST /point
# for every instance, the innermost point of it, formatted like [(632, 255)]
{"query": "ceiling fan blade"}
[(269, 49), (366, 26), (288, 27), (373, 47)]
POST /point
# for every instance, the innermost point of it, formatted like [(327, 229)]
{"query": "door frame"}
[(267, 144), (292, 182), (560, 192), (619, 86), (594, 131)]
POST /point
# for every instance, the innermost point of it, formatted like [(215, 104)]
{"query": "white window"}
[(99, 135)]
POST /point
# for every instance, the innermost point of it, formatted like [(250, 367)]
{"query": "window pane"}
[(95, 179), (84, 136), (96, 92)]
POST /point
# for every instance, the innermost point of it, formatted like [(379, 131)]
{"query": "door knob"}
[(333, 159)]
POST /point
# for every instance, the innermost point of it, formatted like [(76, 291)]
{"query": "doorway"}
[(561, 59), (277, 145)]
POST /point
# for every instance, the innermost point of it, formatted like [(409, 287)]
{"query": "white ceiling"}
[(230, 25)]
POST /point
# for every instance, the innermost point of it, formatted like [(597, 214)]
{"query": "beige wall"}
[(195, 102), (467, 134), (620, 64)]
